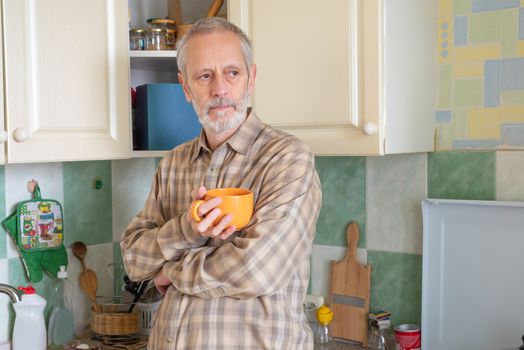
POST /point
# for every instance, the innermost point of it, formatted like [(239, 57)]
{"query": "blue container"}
[(163, 118)]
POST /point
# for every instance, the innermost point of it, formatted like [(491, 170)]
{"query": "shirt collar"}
[(241, 140)]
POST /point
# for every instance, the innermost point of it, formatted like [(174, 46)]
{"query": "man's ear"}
[(252, 76), (185, 88)]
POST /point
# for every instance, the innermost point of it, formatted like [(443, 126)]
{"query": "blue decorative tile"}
[(492, 83), (512, 134), (490, 5), (478, 144), (443, 117), (512, 74), (461, 31)]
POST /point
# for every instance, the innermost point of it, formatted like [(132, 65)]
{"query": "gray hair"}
[(212, 25)]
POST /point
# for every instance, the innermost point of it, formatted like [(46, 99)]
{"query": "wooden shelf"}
[(153, 60)]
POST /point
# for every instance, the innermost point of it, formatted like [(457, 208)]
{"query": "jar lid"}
[(162, 21), (155, 30), (137, 30), (149, 20)]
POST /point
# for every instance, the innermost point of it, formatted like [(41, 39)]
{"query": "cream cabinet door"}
[(312, 58), (349, 77), (66, 79)]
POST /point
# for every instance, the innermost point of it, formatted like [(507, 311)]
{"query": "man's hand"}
[(161, 282), (208, 211)]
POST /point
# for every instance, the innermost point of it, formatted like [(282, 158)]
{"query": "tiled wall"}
[(481, 70), (382, 194), (87, 217)]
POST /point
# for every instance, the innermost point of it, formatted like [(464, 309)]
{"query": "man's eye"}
[(205, 76), (234, 73)]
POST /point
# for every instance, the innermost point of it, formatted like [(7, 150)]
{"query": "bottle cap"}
[(62, 273), (27, 290)]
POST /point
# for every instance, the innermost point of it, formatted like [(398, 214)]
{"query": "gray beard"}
[(220, 124)]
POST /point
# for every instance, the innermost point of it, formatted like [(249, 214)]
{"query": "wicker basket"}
[(114, 319)]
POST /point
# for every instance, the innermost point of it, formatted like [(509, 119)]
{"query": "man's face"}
[(218, 83)]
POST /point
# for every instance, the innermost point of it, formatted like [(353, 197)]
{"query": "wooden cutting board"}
[(349, 293)]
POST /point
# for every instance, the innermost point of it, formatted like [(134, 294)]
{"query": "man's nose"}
[(219, 85)]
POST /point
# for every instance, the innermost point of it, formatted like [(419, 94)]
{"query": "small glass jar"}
[(137, 39), (168, 25), (170, 39), (156, 39)]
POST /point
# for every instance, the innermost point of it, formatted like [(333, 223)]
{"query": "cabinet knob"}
[(3, 136), (21, 135), (370, 128)]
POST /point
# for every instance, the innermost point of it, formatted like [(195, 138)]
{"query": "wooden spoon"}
[(88, 279)]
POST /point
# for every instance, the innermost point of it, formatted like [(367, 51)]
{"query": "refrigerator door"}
[(473, 275)]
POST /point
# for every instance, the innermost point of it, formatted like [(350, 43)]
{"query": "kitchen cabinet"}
[(66, 78), (350, 77)]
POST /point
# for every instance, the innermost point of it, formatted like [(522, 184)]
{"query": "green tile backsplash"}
[(396, 275), (396, 281), (461, 175), (87, 210), (343, 199)]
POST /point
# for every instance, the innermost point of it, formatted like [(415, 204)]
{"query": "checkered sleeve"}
[(152, 238), (263, 257)]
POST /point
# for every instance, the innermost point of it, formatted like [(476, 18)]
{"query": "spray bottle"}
[(29, 329), (61, 322)]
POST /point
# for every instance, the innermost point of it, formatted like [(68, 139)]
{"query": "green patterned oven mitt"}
[(37, 229)]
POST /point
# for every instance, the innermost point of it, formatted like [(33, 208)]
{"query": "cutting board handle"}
[(352, 237)]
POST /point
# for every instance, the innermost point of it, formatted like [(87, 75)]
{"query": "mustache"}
[(220, 102)]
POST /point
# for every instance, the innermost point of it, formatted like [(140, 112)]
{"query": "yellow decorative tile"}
[(445, 9), (475, 53), (468, 69), (520, 47), (484, 124), (521, 3)]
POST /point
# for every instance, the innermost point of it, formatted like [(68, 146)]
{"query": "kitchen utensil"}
[(87, 278), (135, 288), (174, 11), (349, 293), (214, 8)]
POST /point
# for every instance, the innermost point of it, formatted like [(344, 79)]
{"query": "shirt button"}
[(169, 340)]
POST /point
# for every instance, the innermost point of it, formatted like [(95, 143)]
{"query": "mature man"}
[(227, 289)]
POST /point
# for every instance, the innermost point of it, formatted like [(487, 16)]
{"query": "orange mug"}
[(235, 201)]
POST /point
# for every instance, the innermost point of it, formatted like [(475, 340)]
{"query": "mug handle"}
[(194, 210)]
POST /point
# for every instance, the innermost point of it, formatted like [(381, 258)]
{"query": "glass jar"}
[(137, 39), (156, 39), (170, 39), (168, 25)]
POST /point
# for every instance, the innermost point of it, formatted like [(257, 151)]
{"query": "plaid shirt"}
[(245, 292)]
